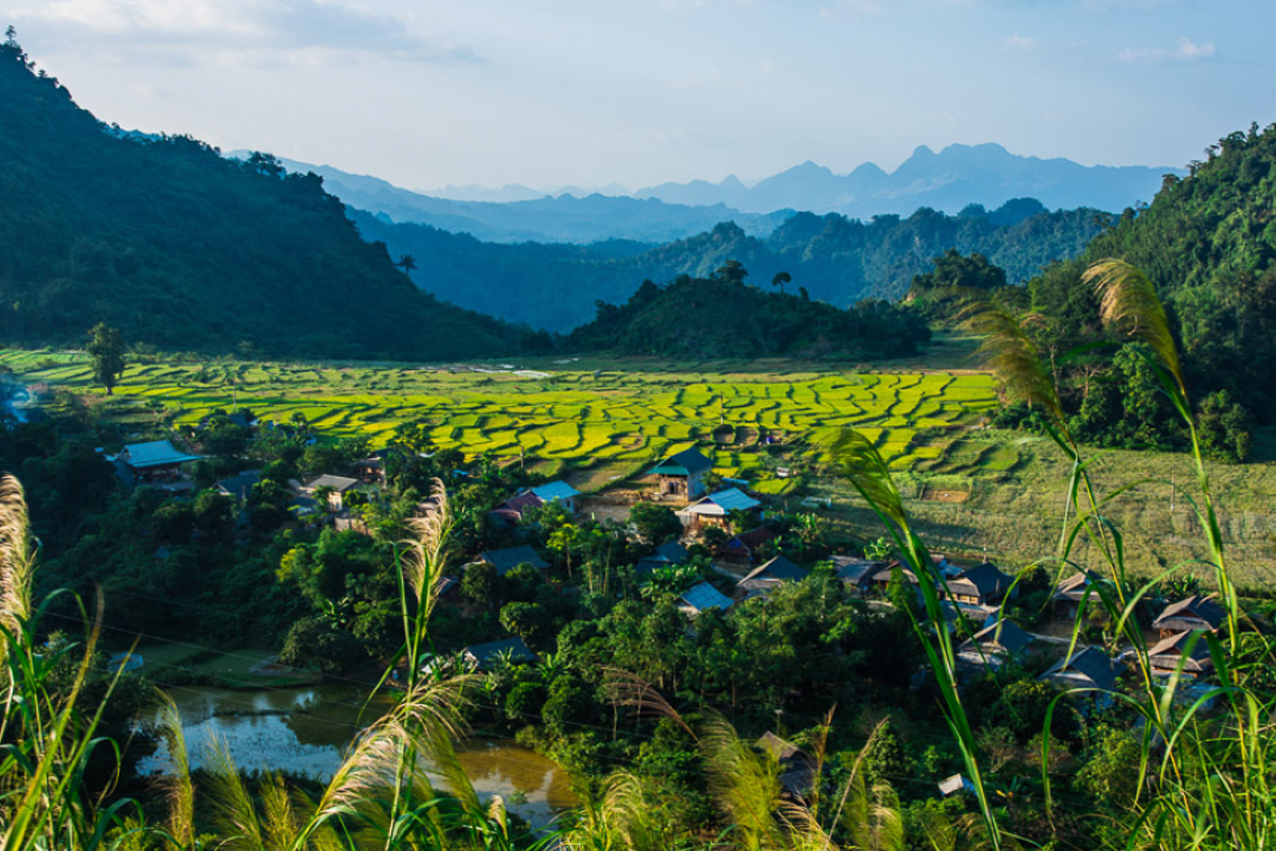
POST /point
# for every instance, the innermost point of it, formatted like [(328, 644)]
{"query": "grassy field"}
[(599, 422)]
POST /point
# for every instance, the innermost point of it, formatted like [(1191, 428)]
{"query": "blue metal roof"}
[(552, 491), (685, 463), (157, 453), (722, 502), (705, 596)]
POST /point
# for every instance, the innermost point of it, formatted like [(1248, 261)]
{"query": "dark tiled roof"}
[(509, 558), (1005, 633), (778, 569), (855, 570), (685, 463), (987, 579), (240, 486), (482, 654), (1197, 607), (1091, 664)]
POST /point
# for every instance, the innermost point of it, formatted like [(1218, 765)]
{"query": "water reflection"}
[(305, 731)]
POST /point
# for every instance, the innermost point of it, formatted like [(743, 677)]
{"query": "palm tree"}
[(407, 263)]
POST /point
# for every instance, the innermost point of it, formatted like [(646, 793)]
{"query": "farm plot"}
[(576, 420)]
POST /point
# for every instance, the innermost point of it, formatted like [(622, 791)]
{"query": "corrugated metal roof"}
[(704, 596), (156, 453), (510, 557), (555, 490), (684, 463), (723, 502), (778, 569)]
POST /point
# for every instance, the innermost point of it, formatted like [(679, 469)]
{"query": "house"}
[(1069, 594), (1087, 668), (511, 510), (981, 586), (560, 492), (746, 548), (157, 459), (765, 578), (701, 598), (372, 470), (337, 488), (714, 509), (240, 486), (665, 555), (507, 559), (1168, 654), (856, 573), (1196, 612), (882, 579), (994, 645), (484, 657), (680, 476), (797, 768)]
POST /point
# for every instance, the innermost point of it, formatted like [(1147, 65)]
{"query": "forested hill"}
[(722, 317), (838, 260), (1208, 243), (183, 249)]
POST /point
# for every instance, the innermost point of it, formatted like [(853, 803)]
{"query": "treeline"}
[(839, 260), (1208, 245), (721, 316), (180, 248)]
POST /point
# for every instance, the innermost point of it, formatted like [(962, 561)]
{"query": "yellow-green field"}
[(598, 426)]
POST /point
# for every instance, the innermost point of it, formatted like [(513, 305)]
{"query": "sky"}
[(546, 93)]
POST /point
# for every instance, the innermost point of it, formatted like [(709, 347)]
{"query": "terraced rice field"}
[(601, 426)]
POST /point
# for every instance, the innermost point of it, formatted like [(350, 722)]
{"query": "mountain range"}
[(947, 181)]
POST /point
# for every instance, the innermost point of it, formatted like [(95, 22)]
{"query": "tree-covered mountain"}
[(838, 260), (946, 180), (181, 248), (720, 316), (1208, 244), (565, 218)]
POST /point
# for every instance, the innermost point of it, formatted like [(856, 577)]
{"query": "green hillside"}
[(722, 317), (181, 248)]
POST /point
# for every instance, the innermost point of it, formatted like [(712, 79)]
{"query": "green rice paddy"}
[(599, 426)]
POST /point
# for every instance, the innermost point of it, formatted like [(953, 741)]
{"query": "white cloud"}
[(1021, 42), (1187, 50), (243, 29)]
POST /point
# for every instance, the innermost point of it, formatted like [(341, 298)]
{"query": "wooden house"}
[(665, 555), (337, 488), (1086, 668), (994, 645), (765, 578), (856, 573), (747, 547), (701, 598), (797, 768), (560, 492), (507, 559), (681, 476), (1195, 612), (1068, 595), (240, 486), (1166, 656), (155, 460), (715, 509), (981, 586), (372, 470)]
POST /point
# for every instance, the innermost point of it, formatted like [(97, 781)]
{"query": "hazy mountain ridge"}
[(838, 260)]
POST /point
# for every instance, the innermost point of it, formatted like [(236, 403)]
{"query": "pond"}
[(306, 731)]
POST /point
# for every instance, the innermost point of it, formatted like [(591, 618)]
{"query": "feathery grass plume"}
[(16, 559), (628, 689), (856, 458), (1128, 303), (745, 785), (175, 784), (231, 804), (427, 545), (1008, 352)]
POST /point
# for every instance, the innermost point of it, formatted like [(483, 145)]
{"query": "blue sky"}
[(590, 92)]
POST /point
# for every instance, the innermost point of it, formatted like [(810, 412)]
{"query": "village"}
[(709, 545)]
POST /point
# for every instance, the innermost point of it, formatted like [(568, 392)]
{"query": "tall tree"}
[(407, 263), (106, 349), (780, 279)]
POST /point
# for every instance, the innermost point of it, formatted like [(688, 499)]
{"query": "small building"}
[(560, 492), (765, 578), (157, 459), (239, 486), (511, 511), (507, 559), (994, 645), (856, 573), (1087, 668), (747, 547), (1068, 595), (882, 579), (665, 555), (680, 476), (714, 509), (797, 768), (1196, 612), (981, 586), (372, 470), (957, 783), (701, 598), (1168, 654), (484, 657), (338, 487)]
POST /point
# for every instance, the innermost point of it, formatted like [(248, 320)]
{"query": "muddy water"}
[(306, 731)]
